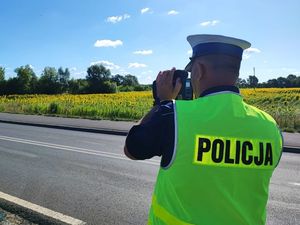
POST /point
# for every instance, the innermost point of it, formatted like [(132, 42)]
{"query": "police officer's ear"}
[(198, 70)]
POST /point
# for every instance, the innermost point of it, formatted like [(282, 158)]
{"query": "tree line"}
[(57, 81), (100, 80), (281, 82)]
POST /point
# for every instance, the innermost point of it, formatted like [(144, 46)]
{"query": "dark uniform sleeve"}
[(155, 137)]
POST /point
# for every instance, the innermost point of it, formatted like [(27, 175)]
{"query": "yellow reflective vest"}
[(224, 156)]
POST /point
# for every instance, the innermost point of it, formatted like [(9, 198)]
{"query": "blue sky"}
[(143, 37)]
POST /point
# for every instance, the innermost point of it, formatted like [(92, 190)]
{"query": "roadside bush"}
[(53, 108), (109, 87), (142, 88), (126, 88)]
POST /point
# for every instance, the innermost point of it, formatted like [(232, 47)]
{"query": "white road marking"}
[(291, 206), (40, 210), (75, 149), (294, 183)]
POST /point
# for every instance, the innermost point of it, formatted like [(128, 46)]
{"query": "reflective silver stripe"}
[(175, 137), (222, 92)]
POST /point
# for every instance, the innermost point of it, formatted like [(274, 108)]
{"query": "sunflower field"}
[(282, 103)]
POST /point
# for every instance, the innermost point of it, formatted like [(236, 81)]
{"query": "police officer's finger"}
[(162, 78), (165, 73), (158, 78), (178, 86), (170, 76), (171, 71)]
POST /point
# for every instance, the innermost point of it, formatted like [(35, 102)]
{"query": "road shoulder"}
[(291, 140)]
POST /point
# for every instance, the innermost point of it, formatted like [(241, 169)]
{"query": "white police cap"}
[(208, 44)]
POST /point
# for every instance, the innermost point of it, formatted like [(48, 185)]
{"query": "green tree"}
[(118, 79), (2, 81), (48, 82), (241, 83), (34, 85), (297, 82), (25, 74), (2, 73), (109, 87), (78, 86), (292, 79), (12, 86), (63, 78), (130, 80), (96, 76), (282, 82), (272, 83), (252, 81)]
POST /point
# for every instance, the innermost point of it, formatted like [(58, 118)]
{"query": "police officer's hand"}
[(164, 85)]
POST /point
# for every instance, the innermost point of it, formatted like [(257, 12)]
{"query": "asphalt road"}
[(86, 176)]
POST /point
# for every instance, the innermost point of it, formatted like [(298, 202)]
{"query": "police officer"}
[(218, 153)]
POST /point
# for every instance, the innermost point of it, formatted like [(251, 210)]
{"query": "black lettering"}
[(203, 146), (238, 152), (269, 155), (227, 153), (217, 158), (259, 160), (246, 146)]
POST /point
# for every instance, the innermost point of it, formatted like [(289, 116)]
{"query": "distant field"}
[(282, 104)]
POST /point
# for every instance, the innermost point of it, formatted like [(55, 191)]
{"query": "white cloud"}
[(123, 71), (144, 10), (116, 19), (143, 52), (287, 69), (31, 66), (147, 72), (80, 74), (252, 50), (107, 64), (190, 52), (108, 43), (126, 16), (147, 80), (137, 65), (173, 12), (209, 23), (249, 51), (73, 69)]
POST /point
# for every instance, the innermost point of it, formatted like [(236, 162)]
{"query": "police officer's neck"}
[(205, 85)]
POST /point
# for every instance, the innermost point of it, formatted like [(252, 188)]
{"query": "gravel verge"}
[(7, 218)]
